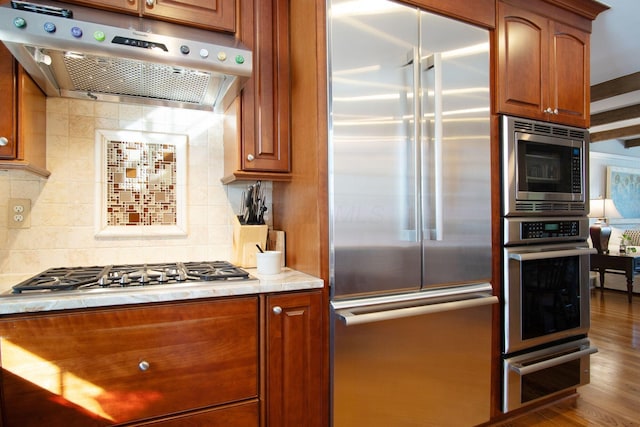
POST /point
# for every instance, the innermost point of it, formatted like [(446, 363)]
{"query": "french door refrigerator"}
[(410, 217)]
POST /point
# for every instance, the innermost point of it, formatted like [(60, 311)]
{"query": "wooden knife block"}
[(245, 239)]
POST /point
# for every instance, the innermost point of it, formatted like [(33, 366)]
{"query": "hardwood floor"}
[(613, 396)]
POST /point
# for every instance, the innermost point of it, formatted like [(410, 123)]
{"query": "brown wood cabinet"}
[(107, 366), (294, 360), (207, 14), (257, 125), (23, 119), (543, 65), (176, 364)]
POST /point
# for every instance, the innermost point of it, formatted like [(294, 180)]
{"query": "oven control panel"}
[(539, 230), (545, 229)]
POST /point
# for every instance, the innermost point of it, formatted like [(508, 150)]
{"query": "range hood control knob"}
[(185, 49), (19, 22), (222, 56), (204, 53), (76, 32), (50, 27)]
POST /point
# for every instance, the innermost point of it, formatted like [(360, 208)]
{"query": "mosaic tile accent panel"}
[(141, 183)]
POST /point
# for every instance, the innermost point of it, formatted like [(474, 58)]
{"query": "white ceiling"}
[(615, 52), (614, 41)]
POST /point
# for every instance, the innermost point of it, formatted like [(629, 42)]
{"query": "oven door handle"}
[(552, 254), (524, 370)]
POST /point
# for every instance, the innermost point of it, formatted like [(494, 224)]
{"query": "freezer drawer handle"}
[(524, 370), (552, 254), (350, 318)]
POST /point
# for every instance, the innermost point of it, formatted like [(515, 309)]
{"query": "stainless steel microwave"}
[(544, 167)]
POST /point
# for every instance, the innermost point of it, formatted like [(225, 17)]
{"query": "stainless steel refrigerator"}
[(410, 217)]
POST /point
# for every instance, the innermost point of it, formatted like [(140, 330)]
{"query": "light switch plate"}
[(19, 213)]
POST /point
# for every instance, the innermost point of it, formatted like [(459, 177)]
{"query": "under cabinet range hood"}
[(79, 52)]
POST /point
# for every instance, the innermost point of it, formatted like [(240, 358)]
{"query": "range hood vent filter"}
[(108, 75)]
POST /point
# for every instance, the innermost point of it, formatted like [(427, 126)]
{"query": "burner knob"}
[(144, 278), (104, 280), (124, 279), (163, 277), (182, 275)]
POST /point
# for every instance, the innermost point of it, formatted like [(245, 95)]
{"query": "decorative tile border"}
[(140, 184)]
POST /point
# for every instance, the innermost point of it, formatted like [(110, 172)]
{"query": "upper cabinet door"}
[(130, 6), (543, 68), (8, 146), (209, 14), (257, 125), (523, 60), (570, 82)]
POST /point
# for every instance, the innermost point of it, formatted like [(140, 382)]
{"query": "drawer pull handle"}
[(277, 309), (144, 366), (3, 141)]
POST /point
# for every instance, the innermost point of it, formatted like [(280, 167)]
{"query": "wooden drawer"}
[(88, 368), (242, 415)]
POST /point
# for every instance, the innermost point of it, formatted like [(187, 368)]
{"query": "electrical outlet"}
[(19, 213)]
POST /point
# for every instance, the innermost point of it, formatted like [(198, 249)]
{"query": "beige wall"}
[(63, 208)]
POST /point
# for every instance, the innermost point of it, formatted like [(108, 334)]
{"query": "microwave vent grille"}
[(560, 132), (550, 207), (577, 134), (547, 129)]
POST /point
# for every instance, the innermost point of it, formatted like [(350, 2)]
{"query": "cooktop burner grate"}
[(118, 276)]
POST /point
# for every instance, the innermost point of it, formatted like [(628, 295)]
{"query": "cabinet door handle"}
[(3, 141), (277, 309), (150, 3), (144, 365), (250, 157)]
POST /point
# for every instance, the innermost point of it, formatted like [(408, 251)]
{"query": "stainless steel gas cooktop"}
[(127, 276)]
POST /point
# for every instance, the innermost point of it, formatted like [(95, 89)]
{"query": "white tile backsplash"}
[(63, 206)]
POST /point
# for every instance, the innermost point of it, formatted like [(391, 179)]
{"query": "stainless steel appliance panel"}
[(540, 374), (421, 361), (545, 168), (536, 230), (406, 215), (136, 60), (546, 294), (373, 154), (409, 207), (455, 151)]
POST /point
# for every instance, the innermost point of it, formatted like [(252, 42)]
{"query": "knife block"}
[(245, 239)]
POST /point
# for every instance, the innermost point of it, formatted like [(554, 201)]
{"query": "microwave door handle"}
[(524, 370), (552, 254)]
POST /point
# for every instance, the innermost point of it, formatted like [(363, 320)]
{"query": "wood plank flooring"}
[(613, 396)]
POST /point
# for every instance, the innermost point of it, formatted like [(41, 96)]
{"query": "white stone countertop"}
[(287, 280)]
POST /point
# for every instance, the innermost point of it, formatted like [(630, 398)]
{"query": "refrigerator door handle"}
[(349, 317), (521, 369)]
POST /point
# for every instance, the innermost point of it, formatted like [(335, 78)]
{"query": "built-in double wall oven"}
[(546, 293)]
